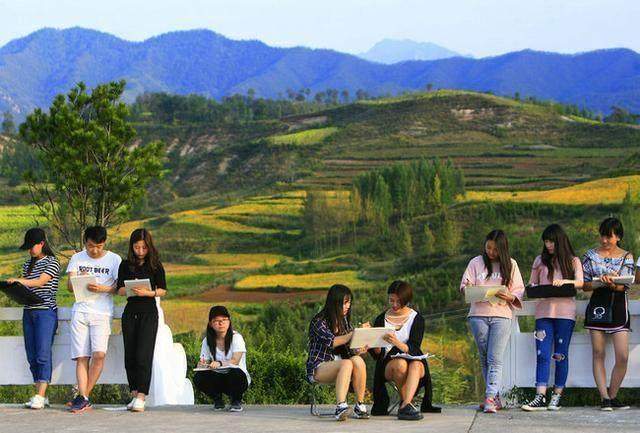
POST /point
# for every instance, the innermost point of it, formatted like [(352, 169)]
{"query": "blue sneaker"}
[(80, 404)]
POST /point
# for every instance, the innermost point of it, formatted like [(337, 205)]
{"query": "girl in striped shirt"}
[(40, 320)]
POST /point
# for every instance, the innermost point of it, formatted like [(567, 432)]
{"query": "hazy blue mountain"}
[(391, 51), (35, 68)]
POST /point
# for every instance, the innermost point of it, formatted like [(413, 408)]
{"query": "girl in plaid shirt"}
[(330, 360)]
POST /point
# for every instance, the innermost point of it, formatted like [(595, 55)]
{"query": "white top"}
[(402, 334), (105, 269), (237, 346)]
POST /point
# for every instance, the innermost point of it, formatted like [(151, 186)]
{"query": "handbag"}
[(600, 310)]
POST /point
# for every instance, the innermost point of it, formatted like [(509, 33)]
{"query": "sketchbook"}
[(80, 284), (130, 284), (371, 337), (484, 294), (412, 357), (625, 280)]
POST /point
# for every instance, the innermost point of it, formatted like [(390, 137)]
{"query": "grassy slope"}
[(500, 143)]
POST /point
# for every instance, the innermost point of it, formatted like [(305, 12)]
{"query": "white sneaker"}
[(37, 402), (138, 405), (130, 404), (554, 403)]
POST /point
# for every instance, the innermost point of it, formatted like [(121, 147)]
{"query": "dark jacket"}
[(380, 395)]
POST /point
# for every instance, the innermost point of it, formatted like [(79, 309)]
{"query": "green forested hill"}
[(499, 143)]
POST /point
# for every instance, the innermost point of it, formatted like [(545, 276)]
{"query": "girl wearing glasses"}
[(223, 362)]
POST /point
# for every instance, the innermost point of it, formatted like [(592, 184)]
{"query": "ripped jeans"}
[(492, 336), (552, 342)]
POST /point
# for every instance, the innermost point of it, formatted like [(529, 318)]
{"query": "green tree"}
[(630, 219), (405, 243), (8, 124), (428, 241), (450, 236), (92, 170)]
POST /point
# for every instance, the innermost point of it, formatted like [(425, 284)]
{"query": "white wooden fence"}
[(519, 366), (520, 357), (14, 368)]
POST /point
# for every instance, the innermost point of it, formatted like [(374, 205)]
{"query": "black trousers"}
[(233, 383), (139, 333)]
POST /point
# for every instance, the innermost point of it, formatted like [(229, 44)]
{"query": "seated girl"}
[(224, 356), (330, 360), (407, 374)]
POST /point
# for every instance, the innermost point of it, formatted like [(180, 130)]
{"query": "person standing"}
[(40, 273), (140, 317), (491, 323), (91, 320), (557, 265), (607, 314)]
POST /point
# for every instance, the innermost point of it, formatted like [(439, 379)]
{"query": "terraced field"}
[(602, 191), (208, 247)]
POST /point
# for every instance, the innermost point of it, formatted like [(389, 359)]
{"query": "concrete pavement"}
[(267, 419)]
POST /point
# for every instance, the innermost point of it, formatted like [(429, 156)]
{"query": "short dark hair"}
[(611, 226), (403, 290), (97, 234)]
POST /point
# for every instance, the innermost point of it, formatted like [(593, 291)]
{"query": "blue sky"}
[(478, 27)]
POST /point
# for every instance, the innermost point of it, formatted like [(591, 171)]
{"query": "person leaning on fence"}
[(40, 273), (140, 316), (223, 360), (407, 374), (607, 313), (91, 320), (557, 265), (330, 360), (491, 323)]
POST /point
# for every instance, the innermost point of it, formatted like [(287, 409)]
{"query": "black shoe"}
[(236, 406), (342, 412), (606, 405), (616, 405), (409, 413), (539, 402), (360, 411), (218, 404)]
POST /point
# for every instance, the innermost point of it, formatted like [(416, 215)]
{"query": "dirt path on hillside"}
[(224, 293)]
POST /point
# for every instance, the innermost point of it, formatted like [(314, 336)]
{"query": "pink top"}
[(554, 308), (476, 275)]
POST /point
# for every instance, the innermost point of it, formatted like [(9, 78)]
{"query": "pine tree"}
[(450, 236), (404, 241), (428, 241), (629, 216)]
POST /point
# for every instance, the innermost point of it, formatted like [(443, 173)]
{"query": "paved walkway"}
[(265, 419)]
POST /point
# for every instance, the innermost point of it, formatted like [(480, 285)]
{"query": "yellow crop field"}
[(301, 282), (601, 191), (218, 263), (304, 138)]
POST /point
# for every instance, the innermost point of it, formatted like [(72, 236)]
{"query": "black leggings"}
[(139, 333), (233, 383)]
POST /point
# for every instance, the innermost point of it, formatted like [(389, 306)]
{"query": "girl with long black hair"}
[(40, 273), (140, 316), (490, 323), (223, 361), (555, 317), (330, 360)]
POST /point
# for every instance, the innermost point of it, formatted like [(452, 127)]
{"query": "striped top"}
[(47, 265)]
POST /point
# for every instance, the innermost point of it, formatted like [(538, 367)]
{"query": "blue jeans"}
[(491, 335), (556, 334), (39, 327)]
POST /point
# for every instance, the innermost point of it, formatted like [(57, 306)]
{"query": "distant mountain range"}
[(389, 51), (35, 68)]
